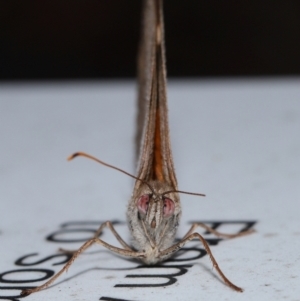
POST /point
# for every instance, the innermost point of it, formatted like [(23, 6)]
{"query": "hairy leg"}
[(166, 253), (217, 233), (110, 226), (124, 252)]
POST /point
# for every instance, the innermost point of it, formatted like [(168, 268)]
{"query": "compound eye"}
[(143, 203), (169, 207)]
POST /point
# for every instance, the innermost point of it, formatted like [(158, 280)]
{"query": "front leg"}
[(90, 242), (217, 233), (168, 252), (110, 226)]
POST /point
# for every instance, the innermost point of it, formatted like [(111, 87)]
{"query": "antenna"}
[(82, 154)]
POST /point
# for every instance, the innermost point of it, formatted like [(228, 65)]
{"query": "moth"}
[(154, 209)]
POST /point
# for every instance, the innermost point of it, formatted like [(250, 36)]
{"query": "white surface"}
[(236, 141)]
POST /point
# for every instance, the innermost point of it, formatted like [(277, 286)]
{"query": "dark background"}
[(77, 39)]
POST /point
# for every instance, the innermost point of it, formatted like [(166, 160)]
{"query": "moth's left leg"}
[(166, 253), (217, 233)]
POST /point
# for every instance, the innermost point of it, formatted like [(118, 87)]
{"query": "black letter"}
[(171, 277), (48, 274)]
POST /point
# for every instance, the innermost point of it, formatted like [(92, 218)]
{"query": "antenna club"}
[(71, 157)]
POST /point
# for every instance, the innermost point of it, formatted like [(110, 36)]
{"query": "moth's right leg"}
[(110, 226), (124, 252)]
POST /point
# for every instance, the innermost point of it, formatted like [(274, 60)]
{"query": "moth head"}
[(153, 215), (168, 205), (155, 207)]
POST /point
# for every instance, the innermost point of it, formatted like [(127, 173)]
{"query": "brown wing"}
[(155, 161)]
